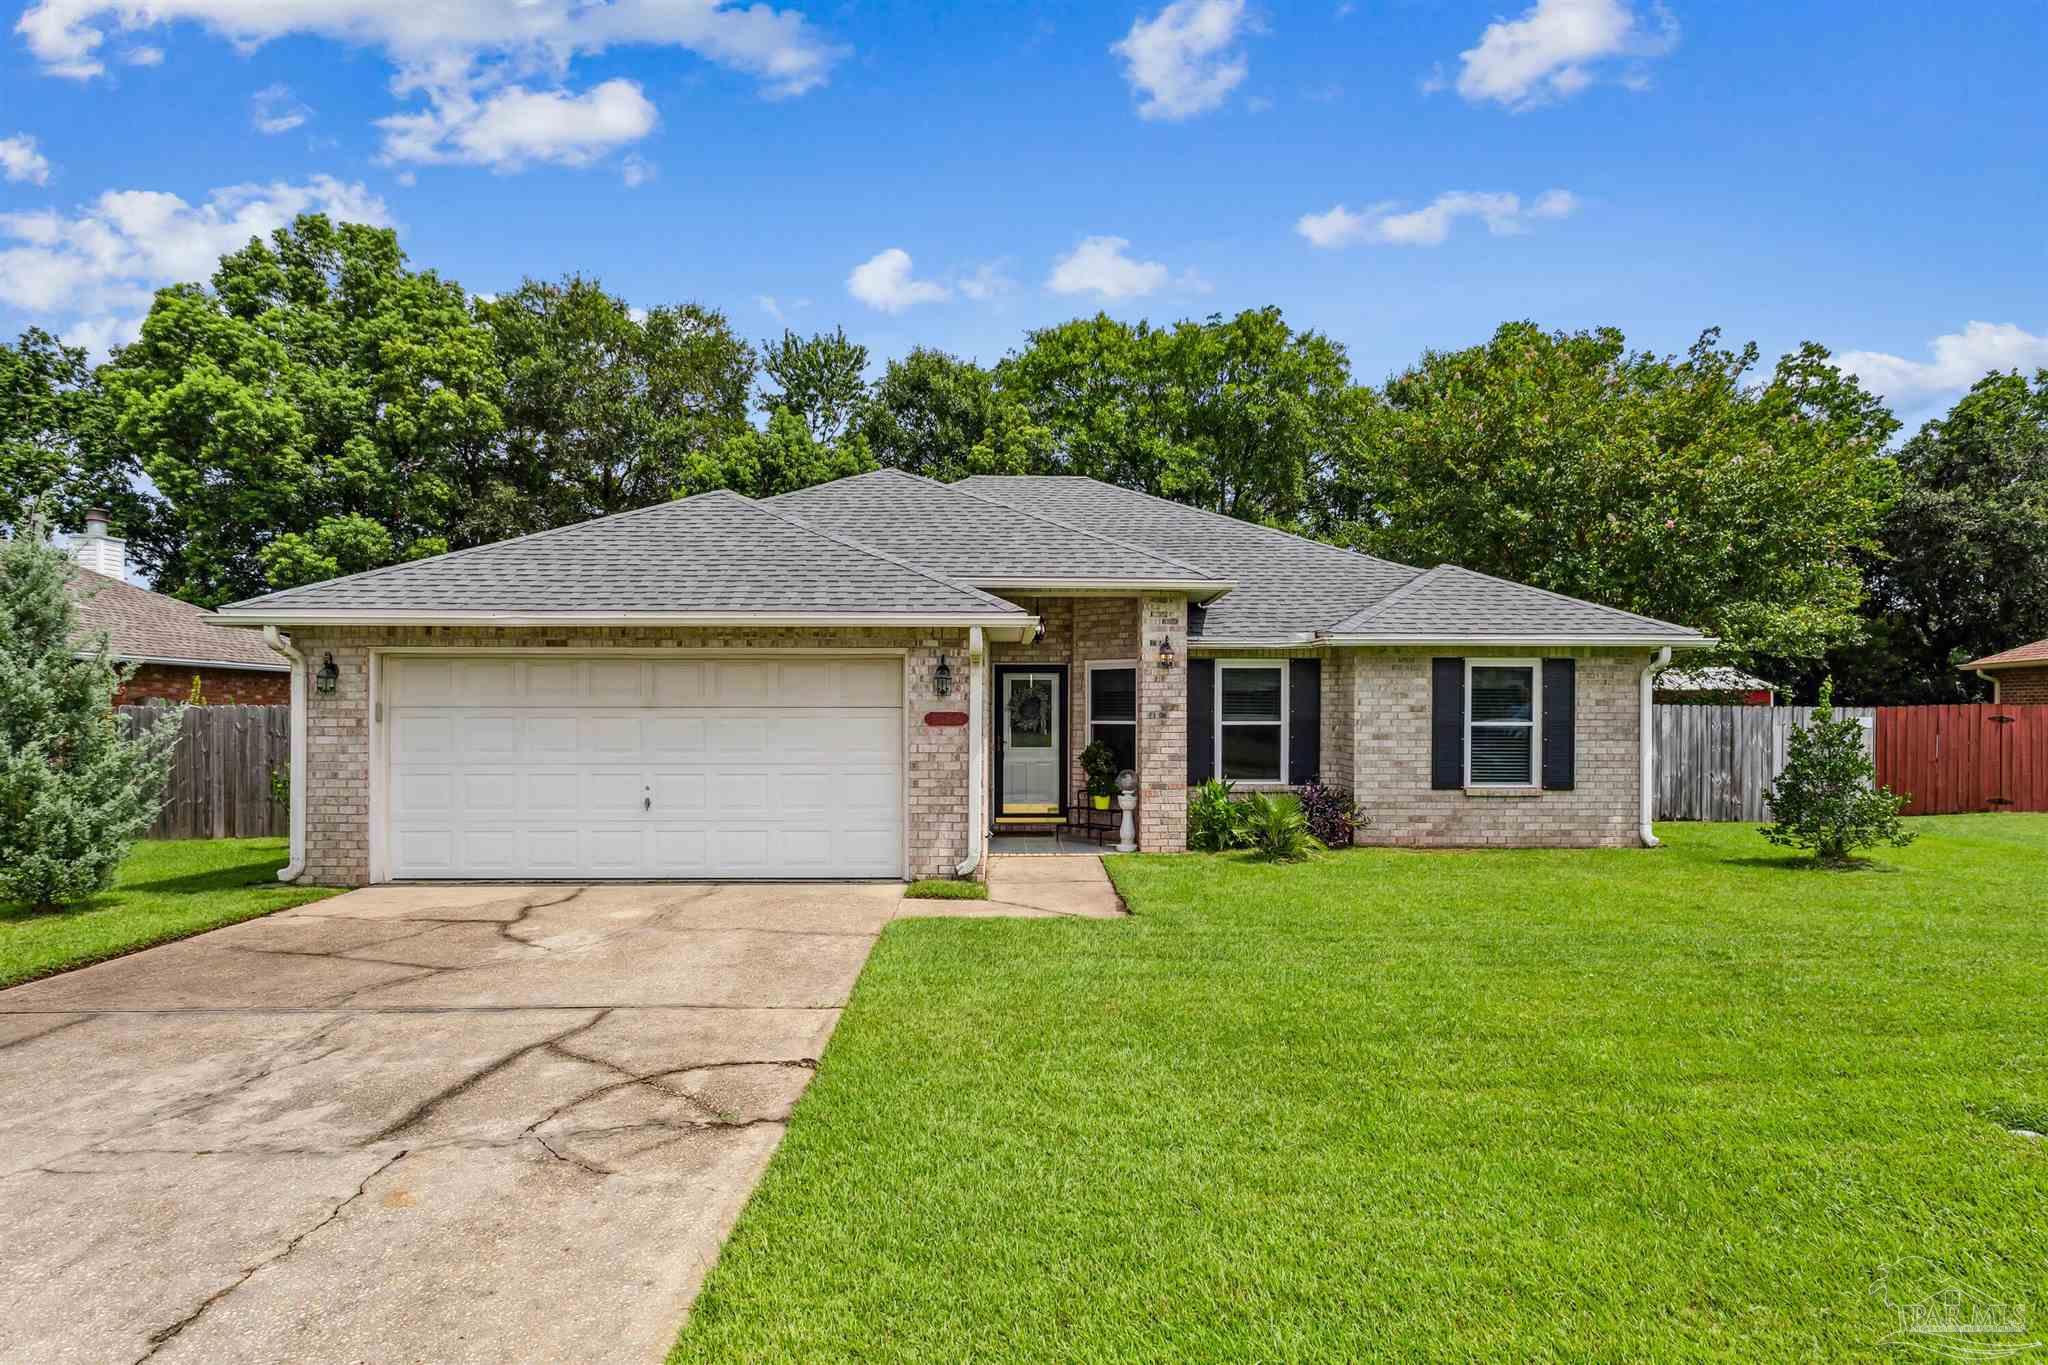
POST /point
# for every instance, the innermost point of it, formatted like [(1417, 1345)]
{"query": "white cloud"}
[(767, 304), (514, 126), (1185, 59), (273, 110), (1503, 214), (90, 276), (1100, 266), (21, 162), (1960, 360), (636, 172), (1550, 51), (885, 282), (990, 281), (143, 56)]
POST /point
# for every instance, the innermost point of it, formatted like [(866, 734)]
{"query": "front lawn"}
[(1489, 1105), (167, 889)]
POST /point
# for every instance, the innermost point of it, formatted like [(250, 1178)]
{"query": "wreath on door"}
[(1028, 714)]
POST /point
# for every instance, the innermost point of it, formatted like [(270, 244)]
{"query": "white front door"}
[(645, 768), (1031, 743)]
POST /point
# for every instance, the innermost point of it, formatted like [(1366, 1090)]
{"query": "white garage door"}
[(645, 768)]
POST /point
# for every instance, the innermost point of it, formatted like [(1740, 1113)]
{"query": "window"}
[(1501, 702), (1113, 710), (1251, 721)]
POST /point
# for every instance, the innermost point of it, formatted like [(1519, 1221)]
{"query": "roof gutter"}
[(1004, 622), (241, 665), (295, 866), (1207, 588)]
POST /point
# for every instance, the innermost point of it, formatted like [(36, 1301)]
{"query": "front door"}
[(1029, 729)]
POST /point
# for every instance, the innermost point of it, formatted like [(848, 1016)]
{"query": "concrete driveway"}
[(410, 1123)]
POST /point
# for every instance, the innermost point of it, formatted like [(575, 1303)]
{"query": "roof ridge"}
[(873, 553), (1365, 614), (492, 545), (1203, 511), (1082, 530)]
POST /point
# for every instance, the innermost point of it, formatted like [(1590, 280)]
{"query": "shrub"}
[(1331, 814), (1276, 828), (1827, 798), (1215, 821), (74, 794), (1098, 760)]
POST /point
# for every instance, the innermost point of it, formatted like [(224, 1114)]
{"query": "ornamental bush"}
[(1276, 830), (1215, 821), (74, 794), (1331, 813), (1827, 799)]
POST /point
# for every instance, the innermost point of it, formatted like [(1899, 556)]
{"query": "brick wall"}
[(1162, 726), (338, 726), (1336, 711), (217, 686), (2023, 686), (1077, 629), (1390, 699)]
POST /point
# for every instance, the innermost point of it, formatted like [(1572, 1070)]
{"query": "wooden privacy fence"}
[(220, 771), (1716, 762)]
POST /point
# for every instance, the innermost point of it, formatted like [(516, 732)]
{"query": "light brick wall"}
[(1104, 628), (2023, 686), (1335, 712), (1162, 726), (338, 725), (1390, 699)]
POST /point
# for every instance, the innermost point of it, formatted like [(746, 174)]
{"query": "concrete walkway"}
[(462, 1123), (1073, 885)]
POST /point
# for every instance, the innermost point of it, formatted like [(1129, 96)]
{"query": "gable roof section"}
[(2035, 653), (148, 627), (978, 539), (713, 555), (1287, 585), (1449, 603)]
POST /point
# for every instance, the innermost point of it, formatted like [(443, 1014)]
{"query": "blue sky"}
[(1398, 174)]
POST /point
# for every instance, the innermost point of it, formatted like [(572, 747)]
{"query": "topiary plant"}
[(1827, 799)]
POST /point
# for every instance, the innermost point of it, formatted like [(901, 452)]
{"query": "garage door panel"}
[(594, 767)]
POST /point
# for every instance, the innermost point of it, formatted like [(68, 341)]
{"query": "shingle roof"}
[(1448, 602), (715, 552), (2035, 653), (956, 531), (1286, 584), (141, 625)]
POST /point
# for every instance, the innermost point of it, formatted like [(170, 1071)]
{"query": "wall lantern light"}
[(942, 679), (325, 679), (1165, 653)]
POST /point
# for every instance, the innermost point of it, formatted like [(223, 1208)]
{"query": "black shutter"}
[(1201, 720), (1560, 737), (1447, 724), (1304, 720)]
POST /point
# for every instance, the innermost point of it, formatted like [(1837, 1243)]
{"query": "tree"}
[(57, 452), (320, 407), (604, 411), (1242, 416), (945, 418), (1827, 799), (782, 459), (74, 794), (821, 378), (1665, 486), (1962, 566)]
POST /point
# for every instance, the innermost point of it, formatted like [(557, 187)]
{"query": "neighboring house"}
[(167, 643), (2019, 677), (860, 679), (1713, 686)]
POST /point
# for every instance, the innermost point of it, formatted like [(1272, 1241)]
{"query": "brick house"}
[(2019, 677), (167, 644), (865, 678)]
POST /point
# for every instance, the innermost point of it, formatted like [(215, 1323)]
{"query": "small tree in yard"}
[(1827, 799), (74, 793)]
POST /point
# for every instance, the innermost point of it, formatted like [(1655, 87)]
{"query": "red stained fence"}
[(1952, 759)]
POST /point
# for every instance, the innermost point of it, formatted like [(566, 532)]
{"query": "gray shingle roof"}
[(1286, 585), (141, 625), (952, 529), (1448, 602), (715, 552)]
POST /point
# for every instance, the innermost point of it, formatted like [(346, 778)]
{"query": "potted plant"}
[(1100, 764)]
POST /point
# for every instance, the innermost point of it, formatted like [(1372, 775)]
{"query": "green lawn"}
[(1564, 1105), (167, 890)]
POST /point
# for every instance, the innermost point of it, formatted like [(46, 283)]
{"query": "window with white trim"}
[(1502, 701), (1251, 721), (1113, 709)]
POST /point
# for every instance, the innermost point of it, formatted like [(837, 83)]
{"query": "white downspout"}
[(976, 744), (1995, 689), (296, 867), (1646, 742)]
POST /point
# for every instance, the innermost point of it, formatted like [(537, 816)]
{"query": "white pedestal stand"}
[(1130, 830)]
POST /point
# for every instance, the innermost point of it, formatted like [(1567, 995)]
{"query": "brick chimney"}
[(98, 551)]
